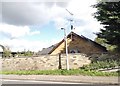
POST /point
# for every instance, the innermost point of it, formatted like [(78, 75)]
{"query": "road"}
[(6, 82)]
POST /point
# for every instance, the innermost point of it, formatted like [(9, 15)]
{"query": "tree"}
[(108, 13), (102, 41), (6, 52), (28, 53)]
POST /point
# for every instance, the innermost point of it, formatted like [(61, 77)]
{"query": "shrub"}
[(101, 64)]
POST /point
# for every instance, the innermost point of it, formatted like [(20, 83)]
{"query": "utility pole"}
[(65, 39), (66, 49), (71, 21)]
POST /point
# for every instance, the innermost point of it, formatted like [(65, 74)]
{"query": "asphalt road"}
[(46, 83)]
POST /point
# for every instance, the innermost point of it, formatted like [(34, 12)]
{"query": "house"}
[(76, 44)]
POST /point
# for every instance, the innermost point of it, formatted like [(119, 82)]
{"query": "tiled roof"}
[(50, 49), (46, 51)]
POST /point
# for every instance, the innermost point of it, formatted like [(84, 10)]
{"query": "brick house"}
[(76, 44)]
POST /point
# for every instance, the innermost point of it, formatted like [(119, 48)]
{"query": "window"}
[(74, 51)]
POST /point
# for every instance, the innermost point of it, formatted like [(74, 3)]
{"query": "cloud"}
[(89, 29), (21, 13), (59, 4), (83, 20), (0, 11), (12, 31), (35, 0), (18, 16), (21, 44), (40, 13), (35, 32), (28, 13)]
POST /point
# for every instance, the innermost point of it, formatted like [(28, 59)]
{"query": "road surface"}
[(6, 82)]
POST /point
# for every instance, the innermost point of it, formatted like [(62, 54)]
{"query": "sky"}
[(36, 24)]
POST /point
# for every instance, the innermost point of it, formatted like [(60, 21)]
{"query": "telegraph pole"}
[(66, 49), (71, 20), (65, 39)]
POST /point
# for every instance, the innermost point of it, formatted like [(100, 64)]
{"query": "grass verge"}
[(61, 72)]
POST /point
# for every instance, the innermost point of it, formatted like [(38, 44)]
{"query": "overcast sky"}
[(35, 24)]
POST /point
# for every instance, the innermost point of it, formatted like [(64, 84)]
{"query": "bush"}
[(101, 64)]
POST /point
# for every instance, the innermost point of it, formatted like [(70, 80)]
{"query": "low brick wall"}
[(44, 62)]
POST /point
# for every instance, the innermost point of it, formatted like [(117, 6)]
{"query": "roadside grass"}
[(62, 72)]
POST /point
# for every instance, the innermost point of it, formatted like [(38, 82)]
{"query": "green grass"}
[(61, 72)]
